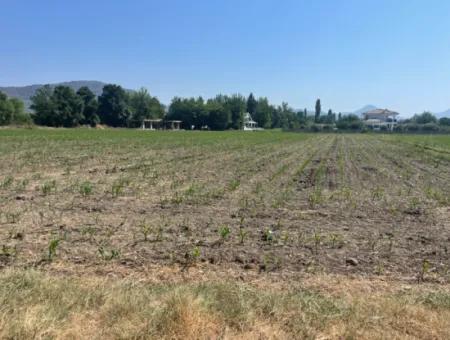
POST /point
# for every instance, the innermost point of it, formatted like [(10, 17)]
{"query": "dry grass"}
[(223, 235), (38, 305)]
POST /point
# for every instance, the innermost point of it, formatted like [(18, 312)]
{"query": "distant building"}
[(249, 123), (379, 119), (160, 124)]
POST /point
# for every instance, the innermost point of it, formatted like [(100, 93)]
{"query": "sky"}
[(349, 53)]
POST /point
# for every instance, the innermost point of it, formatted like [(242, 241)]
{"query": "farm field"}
[(218, 216)]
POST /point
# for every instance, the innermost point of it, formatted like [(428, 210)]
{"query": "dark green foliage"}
[(90, 106), (191, 111), (318, 110), (113, 107), (58, 107), (264, 112), (444, 121), (424, 118), (6, 109), (12, 111), (68, 107), (219, 116), (349, 122), (43, 106), (236, 105), (143, 106), (251, 104)]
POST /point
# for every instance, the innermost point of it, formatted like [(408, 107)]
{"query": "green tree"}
[(191, 111), (236, 105), (318, 111), (349, 122), (444, 121), (90, 106), (144, 106), (251, 104), (113, 107), (263, 114), (20, 116), (68, 107), (6, 110), (424, 118), (219, 116), (331, 117), (44, 107), (57, 107)]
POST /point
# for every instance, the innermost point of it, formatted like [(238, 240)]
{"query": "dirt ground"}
[(252, 205)]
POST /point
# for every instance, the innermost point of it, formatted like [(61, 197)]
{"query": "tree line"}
[(12, 111), (61, 106)]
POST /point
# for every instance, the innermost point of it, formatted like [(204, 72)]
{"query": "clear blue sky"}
[(390, 53)]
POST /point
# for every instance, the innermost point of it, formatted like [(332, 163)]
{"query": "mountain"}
[(364, 110), (445, 114), (26, 92)]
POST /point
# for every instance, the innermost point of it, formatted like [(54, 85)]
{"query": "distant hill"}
[(445, 114), (26, 92), (364, 110)]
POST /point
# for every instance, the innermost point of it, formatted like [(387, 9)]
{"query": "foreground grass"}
[(37, 305)]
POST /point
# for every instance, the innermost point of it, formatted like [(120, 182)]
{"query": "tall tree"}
[(191, 111), (90, 106), (263, 114), (318, 111), (144, 106), (424, 118), (236, 105), (6, 110), (251, 104), (43, 106), (219, 116), (68, 107), (57, 107), (331, 117), (113, 106)]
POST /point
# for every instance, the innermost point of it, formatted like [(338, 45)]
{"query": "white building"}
[(249, 123), (380, 118)]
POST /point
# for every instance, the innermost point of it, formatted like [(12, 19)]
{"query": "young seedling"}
[(7, 182), (52, 246), (242, 235), (118, 186), (196, 254), (317, 238), (423, 270), (90, 231), (336, 240), (108, 255), (146, 229), (224, 232), (234, 184), (268, 235), (48, 187), (86, 188)]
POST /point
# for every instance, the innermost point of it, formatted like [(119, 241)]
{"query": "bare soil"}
[(247, 205)]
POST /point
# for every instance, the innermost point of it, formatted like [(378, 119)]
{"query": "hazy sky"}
[(390, 53)]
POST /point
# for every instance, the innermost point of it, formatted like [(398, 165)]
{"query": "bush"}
[(430, 127)]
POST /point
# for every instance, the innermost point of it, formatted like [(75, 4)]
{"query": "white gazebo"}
[(249, 123), (160, 124)]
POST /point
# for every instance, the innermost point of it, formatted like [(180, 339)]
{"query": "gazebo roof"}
[(152, 120)]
